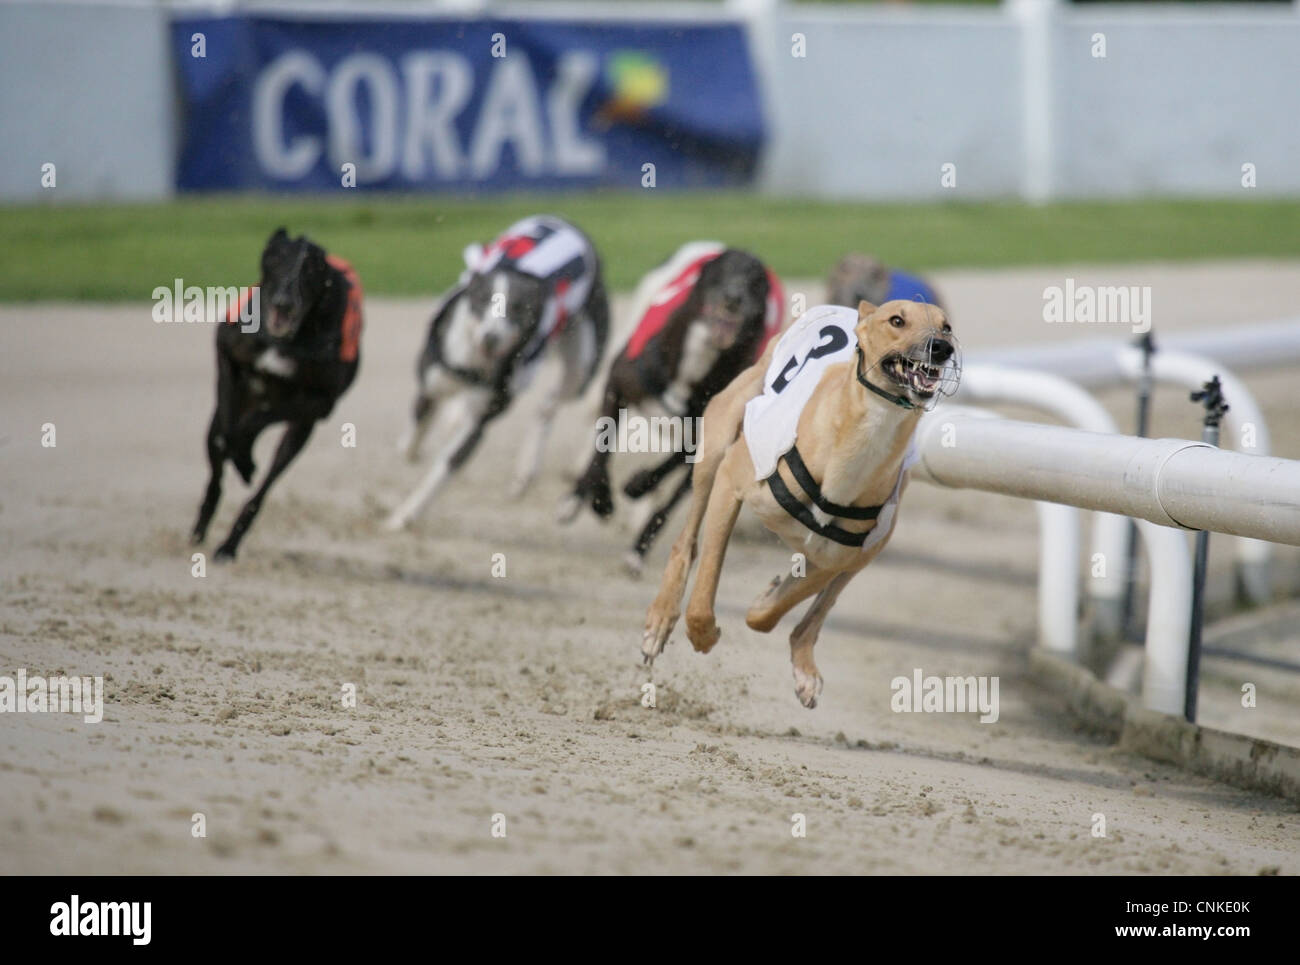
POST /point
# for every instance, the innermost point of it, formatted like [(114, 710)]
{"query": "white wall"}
[(1180, 102), (883, 99), (89, 89), (1185, 95)]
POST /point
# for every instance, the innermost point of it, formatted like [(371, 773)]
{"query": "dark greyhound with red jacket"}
[(704, 316), (289, 364)]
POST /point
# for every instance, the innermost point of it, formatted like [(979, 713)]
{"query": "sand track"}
[(521, 695)]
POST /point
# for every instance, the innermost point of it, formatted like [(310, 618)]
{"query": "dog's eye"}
[(897, 321), (947, 329)]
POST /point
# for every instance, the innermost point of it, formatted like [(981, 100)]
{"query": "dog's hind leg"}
[(783, 595), (295, 437), (644, 480), (212, 495), (807, 679), (634, 561)]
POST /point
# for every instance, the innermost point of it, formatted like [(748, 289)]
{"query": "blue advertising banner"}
[(287, 104)]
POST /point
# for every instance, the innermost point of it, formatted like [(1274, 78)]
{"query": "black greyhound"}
[(291, 364)]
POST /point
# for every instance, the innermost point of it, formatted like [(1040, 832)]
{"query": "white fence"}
[(1166, 482), (863, 102)]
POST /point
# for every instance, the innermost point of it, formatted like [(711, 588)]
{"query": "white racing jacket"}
[(821, 337)]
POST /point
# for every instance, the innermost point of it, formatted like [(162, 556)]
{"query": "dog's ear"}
[(865, 308), (278, 237), (713, 269)]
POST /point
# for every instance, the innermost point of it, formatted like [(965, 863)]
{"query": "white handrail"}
[(1173, 482), (1187, 360), (1064, 400)]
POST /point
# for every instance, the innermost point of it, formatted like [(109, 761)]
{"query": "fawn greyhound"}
[(850, 386)]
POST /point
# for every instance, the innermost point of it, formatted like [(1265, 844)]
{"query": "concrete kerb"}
[(1236, 759)]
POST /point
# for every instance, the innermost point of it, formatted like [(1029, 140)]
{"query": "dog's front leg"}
[(422, 415), (295, 437), (592, 486), (436, 384), (578, 355), (530, 454), (467, 414), (635, 558), (212, 495), (718, 430), (719, 519), (220, 431)]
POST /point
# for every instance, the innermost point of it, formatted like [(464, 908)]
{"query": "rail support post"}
[(1212, 398)]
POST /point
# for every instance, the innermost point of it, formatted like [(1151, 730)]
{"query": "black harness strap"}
[(790, 503), (804, 478)]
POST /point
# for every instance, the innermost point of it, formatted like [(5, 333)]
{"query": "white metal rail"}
[(1174, 483)]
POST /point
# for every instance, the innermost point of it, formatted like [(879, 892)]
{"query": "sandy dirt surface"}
[(521, 695)]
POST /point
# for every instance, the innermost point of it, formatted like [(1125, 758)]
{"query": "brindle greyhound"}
[(709, 311)]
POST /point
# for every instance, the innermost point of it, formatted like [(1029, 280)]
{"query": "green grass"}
[(412, 245)]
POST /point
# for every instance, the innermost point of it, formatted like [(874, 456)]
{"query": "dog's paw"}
[(658, 627), (566, 511), (225, 552), (807, 687), (602, 502), (396, 522), (245, 466), (197, 537), (633, 563), (702, 631)]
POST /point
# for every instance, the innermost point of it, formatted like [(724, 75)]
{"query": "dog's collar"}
[(898, 400)]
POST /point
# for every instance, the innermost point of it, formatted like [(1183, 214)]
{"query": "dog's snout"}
[(941, 350)]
